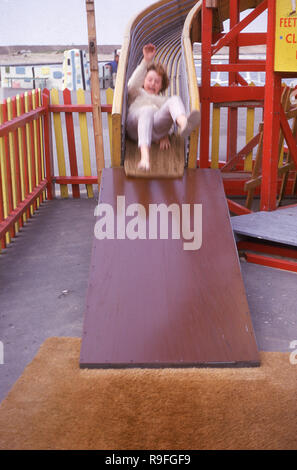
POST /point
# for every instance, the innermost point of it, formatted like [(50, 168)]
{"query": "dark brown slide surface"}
[(151, 303)]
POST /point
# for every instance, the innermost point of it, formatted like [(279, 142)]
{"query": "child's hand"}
[(149, 52), (165, 143)]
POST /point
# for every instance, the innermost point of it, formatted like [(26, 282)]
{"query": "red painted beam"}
[(242, 154), (77, 108), (251, 39), (223, 94), (22, 207), (291, 142), (231, 35), (272, 262), (268, 249), (271, 120), (240, 67), (237, 209), (245, 39), (21, 121), (75, 179)]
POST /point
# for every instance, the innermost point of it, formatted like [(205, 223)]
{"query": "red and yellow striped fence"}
[(27, 175)]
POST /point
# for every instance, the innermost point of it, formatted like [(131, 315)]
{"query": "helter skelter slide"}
[(171, 297)]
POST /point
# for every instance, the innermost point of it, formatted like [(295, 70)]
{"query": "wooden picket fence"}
[(27, 174)]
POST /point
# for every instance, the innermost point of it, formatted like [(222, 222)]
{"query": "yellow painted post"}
[(39, 103), (59, 142), (29, 150), (286, 105), (215, 140), (3, 176), (109, 100), (35, 144), (249, 134), (12, 158), (83, 125), (21, 154)]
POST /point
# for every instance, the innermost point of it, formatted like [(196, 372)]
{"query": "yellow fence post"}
[(29, 150), (59, 142), (21, 154), (250, 124), (3, 176), (12, 159), (109, 100), (85, 141), (215, 139)]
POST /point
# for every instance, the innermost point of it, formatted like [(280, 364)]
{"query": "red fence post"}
[(17, 158), (48, 153), (271, 120), (205, 84), (71, 143), (8, 167), (233, 81)]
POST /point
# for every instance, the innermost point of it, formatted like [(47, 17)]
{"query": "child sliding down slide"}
[(150, 114)]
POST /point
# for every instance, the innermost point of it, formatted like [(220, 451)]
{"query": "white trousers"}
[(149, 124)]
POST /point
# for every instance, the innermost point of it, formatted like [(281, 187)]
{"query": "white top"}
[(137, 96)]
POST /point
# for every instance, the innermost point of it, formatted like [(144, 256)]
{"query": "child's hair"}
[(160, 70)]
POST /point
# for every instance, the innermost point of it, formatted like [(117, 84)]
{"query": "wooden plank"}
[(163, 163), (25, 146), (21, 121), (59, 142), (109, 100), (284, 264), (83, 126), (74, 108), (40, 124), (215, 140), (21, 156), (95, 88), (71, 143), (48, 148), (278, 226), (30, 152), (250, 124), (150, 302), (36, 146)]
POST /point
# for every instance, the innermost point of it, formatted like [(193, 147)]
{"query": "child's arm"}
[(137, 78)]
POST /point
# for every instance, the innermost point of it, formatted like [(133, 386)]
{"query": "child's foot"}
[(190, 124), (293, 12), (144, 163)]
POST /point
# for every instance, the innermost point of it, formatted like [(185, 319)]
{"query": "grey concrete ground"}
[(43, 284)]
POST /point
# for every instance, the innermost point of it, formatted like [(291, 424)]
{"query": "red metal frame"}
[(260, 250), (238, 90)]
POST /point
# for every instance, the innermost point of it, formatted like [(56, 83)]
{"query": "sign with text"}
[(286, 36)]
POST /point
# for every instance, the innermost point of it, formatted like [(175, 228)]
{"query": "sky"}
[(43, 22)]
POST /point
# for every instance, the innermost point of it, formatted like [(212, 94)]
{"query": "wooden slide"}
[(153, 301)]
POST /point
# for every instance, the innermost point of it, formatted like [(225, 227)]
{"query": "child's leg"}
[(174, 111), (168, 114), (139, 128)]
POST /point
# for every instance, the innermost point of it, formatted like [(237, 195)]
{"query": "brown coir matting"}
[(56, 405)]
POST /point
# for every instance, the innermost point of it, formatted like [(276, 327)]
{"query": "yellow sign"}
[(286, 36)]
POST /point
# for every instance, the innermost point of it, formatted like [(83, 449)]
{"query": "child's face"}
[(152, 82)]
